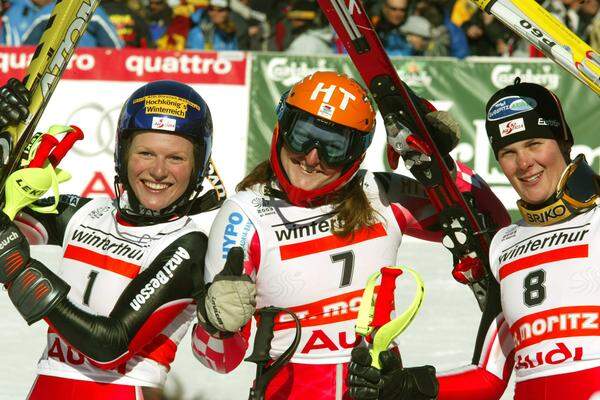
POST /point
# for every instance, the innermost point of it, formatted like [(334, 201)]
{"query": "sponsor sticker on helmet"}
[(166, 105), (510, 106), (512, 126), (548, 122), (164, 123), (326, 111)]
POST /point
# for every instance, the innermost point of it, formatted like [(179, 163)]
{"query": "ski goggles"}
[(336, 144)]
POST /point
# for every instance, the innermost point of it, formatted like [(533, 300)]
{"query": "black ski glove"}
[(14, 250), (14, 102), (444, 129), (392, 382), (33, 289)]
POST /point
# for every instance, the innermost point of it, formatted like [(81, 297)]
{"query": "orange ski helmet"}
[(332, 113)]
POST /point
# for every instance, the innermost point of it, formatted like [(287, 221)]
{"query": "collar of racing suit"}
[(578, 191)]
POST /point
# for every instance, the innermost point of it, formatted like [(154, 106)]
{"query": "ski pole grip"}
[(41, 154), (262, 346), (264, 335), (65, 145), (384, 304)]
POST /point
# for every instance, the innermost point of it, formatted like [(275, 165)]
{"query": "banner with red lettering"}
[(97, 83)]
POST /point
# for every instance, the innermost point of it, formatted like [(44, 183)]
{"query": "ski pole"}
[(47, 143), (465, 233), (374, 321), (63, 147), (262, 347), (51, 149)]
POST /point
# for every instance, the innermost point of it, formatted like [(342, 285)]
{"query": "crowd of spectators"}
[(454, 28)]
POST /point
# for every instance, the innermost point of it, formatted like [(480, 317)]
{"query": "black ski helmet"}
[(168, 107)]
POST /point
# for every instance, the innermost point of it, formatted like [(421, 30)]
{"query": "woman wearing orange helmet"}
[(313, 227)]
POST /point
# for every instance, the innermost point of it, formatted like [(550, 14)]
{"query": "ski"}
[(464, 234), (65, 27), (536, 25)]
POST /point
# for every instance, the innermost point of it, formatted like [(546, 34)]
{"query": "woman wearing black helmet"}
[(542, 317), (123, 298)]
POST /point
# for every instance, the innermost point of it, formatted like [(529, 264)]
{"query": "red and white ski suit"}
[(298, 263), (130, 301), (542, 319)]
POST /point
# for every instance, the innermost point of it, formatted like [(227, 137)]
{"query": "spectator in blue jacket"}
[(8, 36), (213, 28), (387, 25), (28, 18)]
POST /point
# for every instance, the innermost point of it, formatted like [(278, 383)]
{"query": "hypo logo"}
[(231, 233), (510, 106)]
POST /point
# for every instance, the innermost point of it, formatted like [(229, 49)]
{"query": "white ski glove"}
[(230, 300)]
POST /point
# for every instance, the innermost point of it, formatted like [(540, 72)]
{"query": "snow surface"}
[(443, 334)]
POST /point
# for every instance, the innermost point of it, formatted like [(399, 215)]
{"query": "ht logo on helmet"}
[(326, 109)]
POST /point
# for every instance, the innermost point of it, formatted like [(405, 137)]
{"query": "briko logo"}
[(509, 106), (414, 74), (547, 215)]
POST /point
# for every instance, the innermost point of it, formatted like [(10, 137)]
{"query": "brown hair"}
[(351, 206)]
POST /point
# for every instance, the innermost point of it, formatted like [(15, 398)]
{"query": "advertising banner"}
[(461, 87), (99, 81)]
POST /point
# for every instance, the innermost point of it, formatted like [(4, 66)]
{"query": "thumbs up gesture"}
[(230, 300)]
